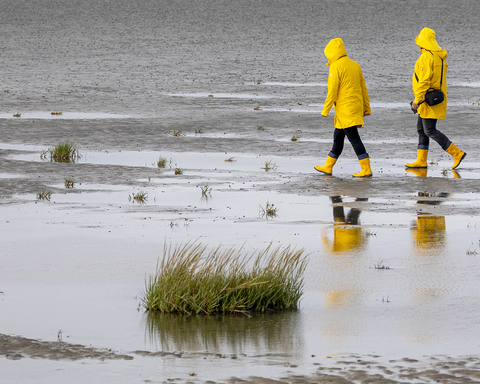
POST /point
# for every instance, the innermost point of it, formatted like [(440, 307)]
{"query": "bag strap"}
[(441, 76), (441, 80)]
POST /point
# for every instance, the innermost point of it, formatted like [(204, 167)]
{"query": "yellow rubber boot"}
[(326, 169), (457, 154), (421, 161), (365, 171)]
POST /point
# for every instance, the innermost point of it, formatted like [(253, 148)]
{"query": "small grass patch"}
[(177, 133), (445, 171), (162, 161), (178, 171), (206, 190), (139, 197), (260, 127), (269, 165), (17, 114), (268, 211), (295, 137), (44, 195), (191, 280), (63, 152), (427, 194), (69, 182), (198, 131), (56, 113), (230, 160), (381, 266)]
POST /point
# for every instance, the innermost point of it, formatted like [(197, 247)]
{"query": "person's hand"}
[(414, 106), (366, 114)]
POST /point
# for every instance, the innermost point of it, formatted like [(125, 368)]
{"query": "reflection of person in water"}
[(347, 235), (429, 231), (422, 172)]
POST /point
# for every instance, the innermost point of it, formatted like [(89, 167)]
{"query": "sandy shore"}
[(337, 369)]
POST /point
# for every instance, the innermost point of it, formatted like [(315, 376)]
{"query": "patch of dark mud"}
[(16, 348), (373, 369)]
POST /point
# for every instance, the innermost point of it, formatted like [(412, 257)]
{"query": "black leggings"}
[(427, 129), (353, 137)]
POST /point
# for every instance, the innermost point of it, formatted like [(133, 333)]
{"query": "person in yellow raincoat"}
[(347, 92), (428, 75)]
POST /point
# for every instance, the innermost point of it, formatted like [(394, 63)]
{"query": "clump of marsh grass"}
[(230, 159), (161, 162), (191, 280), (44, 195), (206, 190), (69, 182), (177, 133), (56, 113), (427, 193), (17, 114), (295, 137), (178, 171), (381, 266), (260, 127), (269, 211), (198, 131), (269, 165), (139, 197), (62, 152)]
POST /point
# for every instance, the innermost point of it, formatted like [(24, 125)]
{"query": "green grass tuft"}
[(206, 190), (191, 280), (69, 182), (140, 197), (269, 211), (63, 152), (269, 165), (44, 195), (161, 162)]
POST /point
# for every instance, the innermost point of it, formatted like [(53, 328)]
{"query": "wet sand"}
[(342, 368), (126, 76)]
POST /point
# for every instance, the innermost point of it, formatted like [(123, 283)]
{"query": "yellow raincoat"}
[(428, 70), (347, 90)]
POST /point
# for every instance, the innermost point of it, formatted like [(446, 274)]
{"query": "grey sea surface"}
[(393, 261)]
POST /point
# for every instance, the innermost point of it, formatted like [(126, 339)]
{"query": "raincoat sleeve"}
[(333, 85), (366, 100), (422, 78)]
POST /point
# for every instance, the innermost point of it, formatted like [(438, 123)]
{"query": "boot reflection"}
[(456, 175), (429, 231), (419, 172), (347, 235)]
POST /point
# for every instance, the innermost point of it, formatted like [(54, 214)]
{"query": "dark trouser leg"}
[(427, 129), (338, 142), (357, 144)]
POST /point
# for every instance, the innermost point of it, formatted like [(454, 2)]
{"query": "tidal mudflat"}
[(391, 287)]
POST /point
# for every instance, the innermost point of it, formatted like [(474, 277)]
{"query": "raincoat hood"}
[(334, 50), (426, 39)]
